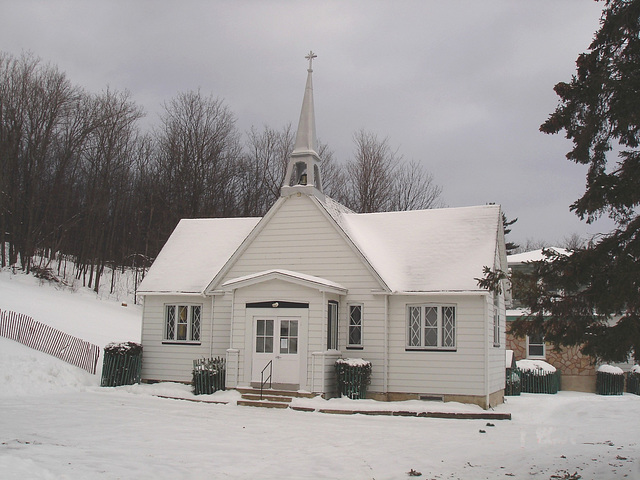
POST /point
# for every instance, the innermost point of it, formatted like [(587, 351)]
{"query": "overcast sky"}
[(461, 86)]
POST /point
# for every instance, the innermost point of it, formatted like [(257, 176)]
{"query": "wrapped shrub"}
[(609, 380), (633, 380), (353, 376), (208, 375), (538, 376), (513, 384), (122, 364)]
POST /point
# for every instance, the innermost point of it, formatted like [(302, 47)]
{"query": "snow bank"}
[(635, 369), (535, 365), (24, 371), (611, 369)]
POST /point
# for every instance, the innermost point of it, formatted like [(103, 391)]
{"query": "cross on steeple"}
[(310, 57)]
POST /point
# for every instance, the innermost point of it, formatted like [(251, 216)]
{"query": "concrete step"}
[(263, 404), (271, 392), (271, 398)]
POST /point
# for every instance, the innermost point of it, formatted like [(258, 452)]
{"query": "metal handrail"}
[(263, 381)]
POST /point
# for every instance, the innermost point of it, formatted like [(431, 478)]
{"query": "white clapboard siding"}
[(439, 372), (162, 361), (497, 362), (299, 237)]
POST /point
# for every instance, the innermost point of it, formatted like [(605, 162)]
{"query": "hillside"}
[(56, 422)]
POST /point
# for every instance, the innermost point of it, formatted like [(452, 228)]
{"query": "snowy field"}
[(57, 423)]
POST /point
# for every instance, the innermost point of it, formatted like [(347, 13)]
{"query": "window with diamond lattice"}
[(431, 327), (183, 323), (355, 326)]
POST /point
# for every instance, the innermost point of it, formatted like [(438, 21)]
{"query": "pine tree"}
[(511, 247), (592, 297)]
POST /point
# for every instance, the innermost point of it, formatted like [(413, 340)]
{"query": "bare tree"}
[(262, 168), (414, 188), (107, 158), (573, 242), (198, 146), (36, 101), (370, 173), (531, 244), (334, 177), (379, 180)]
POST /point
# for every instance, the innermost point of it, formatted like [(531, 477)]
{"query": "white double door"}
[(276, 339)]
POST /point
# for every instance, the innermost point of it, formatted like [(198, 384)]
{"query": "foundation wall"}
[(496, 398)]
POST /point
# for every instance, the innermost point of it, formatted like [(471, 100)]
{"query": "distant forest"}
[(79, 178)]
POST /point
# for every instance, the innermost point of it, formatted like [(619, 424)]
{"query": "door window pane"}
[(289, 336), (293, 345), (264, 336)]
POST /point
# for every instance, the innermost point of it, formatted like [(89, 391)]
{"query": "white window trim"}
[(422, 346), (355, 346), (544, 350), (189, 340)]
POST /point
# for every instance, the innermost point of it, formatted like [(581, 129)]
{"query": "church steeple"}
[(303, 170)]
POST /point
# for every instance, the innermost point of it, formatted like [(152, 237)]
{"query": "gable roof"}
[(436, 250), (195, 252)]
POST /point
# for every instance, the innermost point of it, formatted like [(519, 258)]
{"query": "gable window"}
[(535, 346), (332, 325), (431, 327), (354, 338), (496, 320), (182, 323)]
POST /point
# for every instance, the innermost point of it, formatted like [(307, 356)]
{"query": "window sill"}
[(355, 347), (496, 345), (173, 342), (429, 349)]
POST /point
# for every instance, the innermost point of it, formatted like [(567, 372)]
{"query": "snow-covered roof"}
[(439, 250), (195, 252), (534, 255), (436, 250)]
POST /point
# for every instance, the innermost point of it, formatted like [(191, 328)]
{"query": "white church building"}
[(312, 282)]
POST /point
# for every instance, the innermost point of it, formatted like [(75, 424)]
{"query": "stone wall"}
[(577, 373)]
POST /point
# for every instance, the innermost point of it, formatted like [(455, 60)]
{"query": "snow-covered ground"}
[(56, 422)]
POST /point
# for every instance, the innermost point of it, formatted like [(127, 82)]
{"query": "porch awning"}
[(310, 281)]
